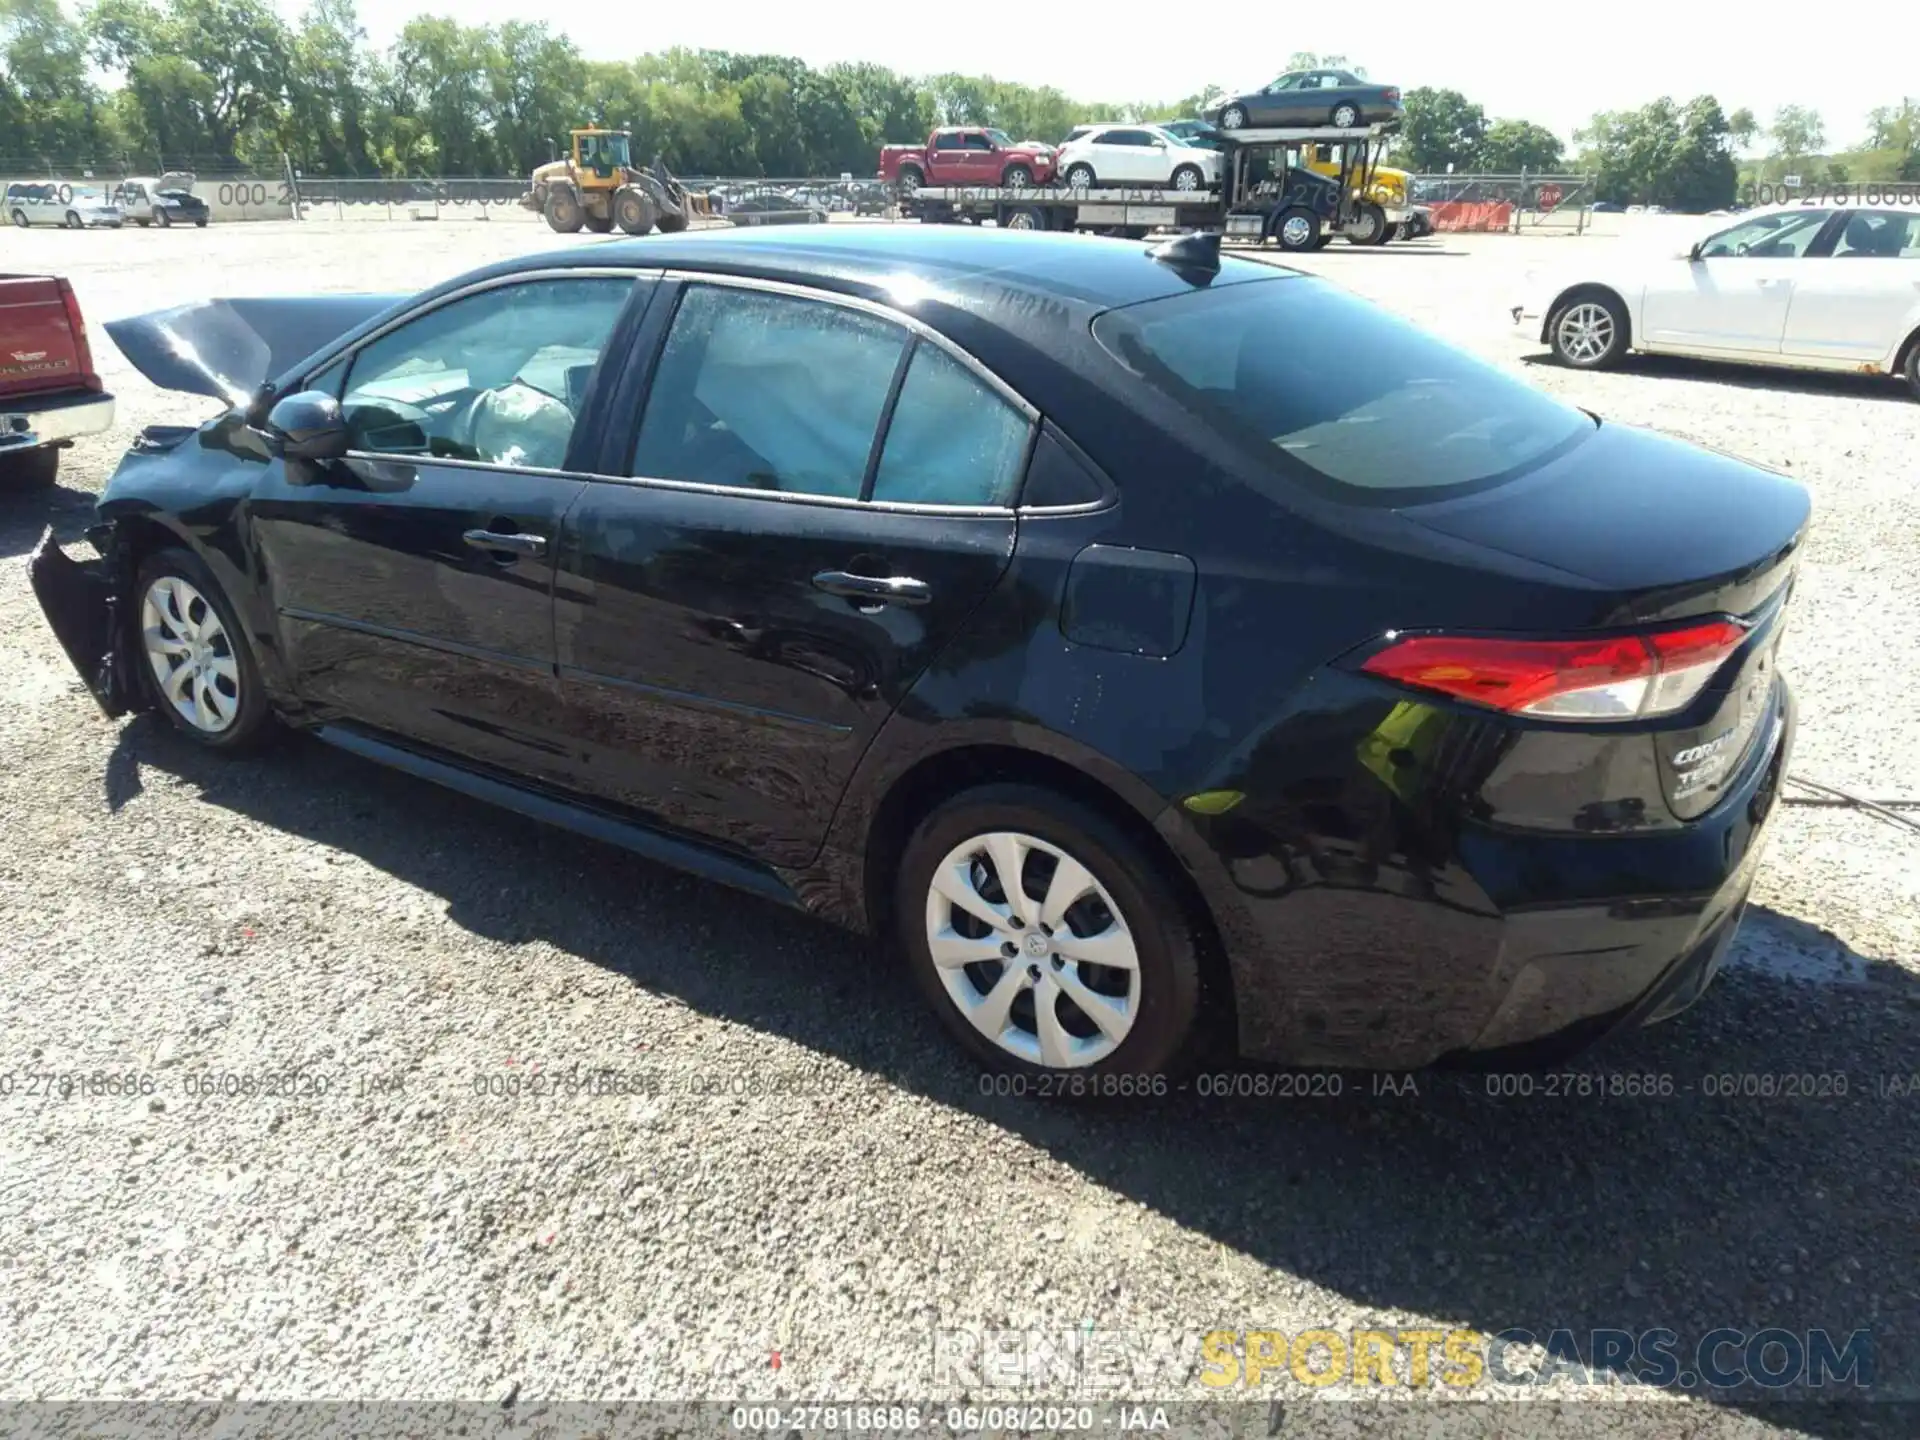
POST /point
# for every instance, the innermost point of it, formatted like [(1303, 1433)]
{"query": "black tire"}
[(1024, 217), (633, 211), (73, 220), (200, 224), (20, 219), (1911, 370), (1297, 228), (1163, 1033), (162, 219), (1191, 174), (912, 177), (143, 224), (29, 469), (254, 722), (1392, 233), (1371, 221), (1345, 117), (1573, 318), (672, 223), (599, 224), (1081, 177), (565, 214), (1016, 177), (1234, 117)]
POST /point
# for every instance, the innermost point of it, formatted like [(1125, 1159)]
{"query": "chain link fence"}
[(1513, 203)]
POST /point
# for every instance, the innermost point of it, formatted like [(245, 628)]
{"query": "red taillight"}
[(1623, 677), (77, 327), (1393, 94)]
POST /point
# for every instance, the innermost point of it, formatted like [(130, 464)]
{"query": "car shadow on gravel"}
[(1744, 1166), (26, 513), (1885, 389)]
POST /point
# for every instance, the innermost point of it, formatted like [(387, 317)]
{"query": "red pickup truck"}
[(49, 392), (967, 155)]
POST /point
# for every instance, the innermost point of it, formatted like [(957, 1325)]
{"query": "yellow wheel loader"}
[(597, 187)]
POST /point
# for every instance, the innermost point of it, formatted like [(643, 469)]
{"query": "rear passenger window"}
[(952, 440), (768, 392)]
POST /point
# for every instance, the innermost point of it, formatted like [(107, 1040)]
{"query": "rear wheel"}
[(1080, 177), (1346, 117), (29, 469), (1911, 370), (564, 211), (598, 224), (1392, 234), (1045, 938), (1297, 229), (198, 665), (1188, 177), (143, 224), (1588, 332), (20, 219), (672, 223), (73, 220), (1024, 217), (161, 218), (201, 223)]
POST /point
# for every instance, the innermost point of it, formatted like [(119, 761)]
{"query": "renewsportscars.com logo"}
[(1117, 1362)]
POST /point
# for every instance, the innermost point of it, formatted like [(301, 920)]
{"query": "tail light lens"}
[(77, 327), (1393, 94), (1619, 677)]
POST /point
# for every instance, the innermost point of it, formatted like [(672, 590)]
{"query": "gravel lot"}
[(404, 1236)]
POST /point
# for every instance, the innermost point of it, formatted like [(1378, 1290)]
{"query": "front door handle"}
[(513, 544), (874, 589)]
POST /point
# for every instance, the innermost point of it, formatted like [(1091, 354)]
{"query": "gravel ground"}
[(405, 1235)]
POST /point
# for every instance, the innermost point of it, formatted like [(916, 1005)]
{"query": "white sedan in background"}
[(1142, 155), (54, 202), (1813, 287)]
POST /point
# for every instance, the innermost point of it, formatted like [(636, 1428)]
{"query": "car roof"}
[(969, 266)]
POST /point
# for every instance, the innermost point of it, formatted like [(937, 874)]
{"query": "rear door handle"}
[(515, 544), (875, 589)]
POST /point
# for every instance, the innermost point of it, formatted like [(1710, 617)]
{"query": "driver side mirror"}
[(307, 426), (1699, 246)]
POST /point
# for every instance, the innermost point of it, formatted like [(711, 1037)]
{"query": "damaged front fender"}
[(85, 605)]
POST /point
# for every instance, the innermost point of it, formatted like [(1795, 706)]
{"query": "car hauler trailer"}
[(1256, 202)]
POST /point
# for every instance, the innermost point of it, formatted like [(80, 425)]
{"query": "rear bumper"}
[(1362, 931), (36, 420)]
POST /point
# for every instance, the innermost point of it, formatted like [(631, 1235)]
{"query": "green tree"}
[(1797, 132), (1440, 128), (1511, 146), (49, 104)]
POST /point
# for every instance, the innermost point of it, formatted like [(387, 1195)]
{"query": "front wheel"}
[(1025, 217), (200, 224), (199, 666), (911, 178), (1911, 370), (1188, 177), (1017, 177), (1080, 177), (1391, 234), (1045, 938), (1588, 332), (565, 214), (1297, 229), (633, 211), (1234, 117), (1369, 226), (20, 219)]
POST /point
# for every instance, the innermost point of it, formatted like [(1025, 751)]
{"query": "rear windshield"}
[(1338, 392)]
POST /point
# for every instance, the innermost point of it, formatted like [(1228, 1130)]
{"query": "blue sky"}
[(1553, 64)]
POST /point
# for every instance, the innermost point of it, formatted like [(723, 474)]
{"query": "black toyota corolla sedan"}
[(1144, 644)]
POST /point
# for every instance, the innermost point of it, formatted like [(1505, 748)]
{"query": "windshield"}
[(1001, 138), (604, 151), (1337, 392)]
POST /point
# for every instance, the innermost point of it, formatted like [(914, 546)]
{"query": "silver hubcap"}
[(1022, 221), (1233, 119), (1346, 117), (191, 654), (1080, 178), (1586, 332), (1017, 180), (1296, 231), (1186, 180), (1033, 950)]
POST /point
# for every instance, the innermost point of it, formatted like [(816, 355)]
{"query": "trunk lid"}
[(1663, 532), (39, 350)]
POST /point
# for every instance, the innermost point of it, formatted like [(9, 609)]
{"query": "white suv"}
[(54, 202), (1136, 155)]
